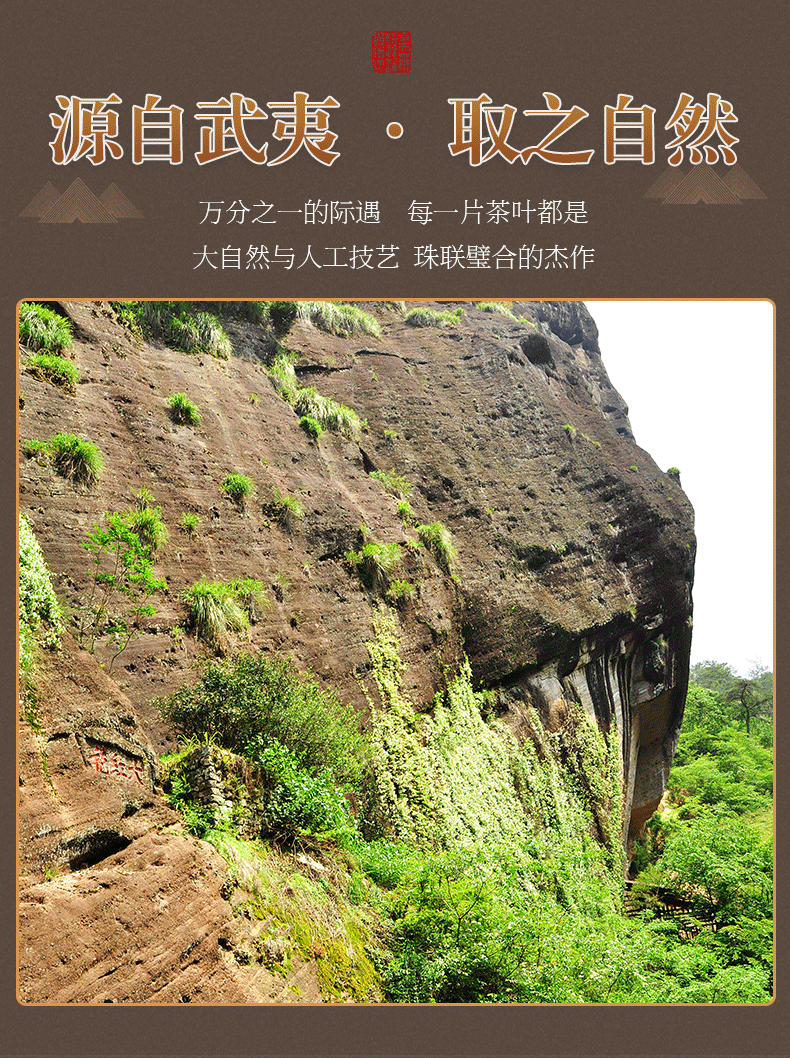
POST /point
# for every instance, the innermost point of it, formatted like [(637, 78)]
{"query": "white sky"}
[(698, 380)]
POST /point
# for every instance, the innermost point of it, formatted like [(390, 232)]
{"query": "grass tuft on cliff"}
[(337, 318), (40, 327), (54, 369), (71, 456)]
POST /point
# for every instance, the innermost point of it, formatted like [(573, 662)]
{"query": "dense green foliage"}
[(495, 864), (215, 608), (375, 564), (246, 702), (706, 859), (39, 612)]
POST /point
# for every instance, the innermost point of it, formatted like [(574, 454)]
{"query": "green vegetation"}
[(149, 525), (570, 430), (393, 483), (282, 373), (71, 456), (316, 413), (424, 317), (189, 523), (40, 617), (42, 328), (375, 563), (337, 318), (311, 426), (705, 861), (673, 472), (143, 498), (251, 596), (183, 410), (250, 701), (493, 864), (400, 592), (237, 487), (327, 413), (122, 583), (497, 306), (48, 367), (436, 537), (213, 610), (286, 510), (178, 323), (405, 513)]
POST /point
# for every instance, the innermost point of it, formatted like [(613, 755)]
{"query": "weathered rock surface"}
[(573, 582)]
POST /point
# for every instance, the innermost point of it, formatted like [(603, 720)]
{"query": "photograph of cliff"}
[(354, 653)]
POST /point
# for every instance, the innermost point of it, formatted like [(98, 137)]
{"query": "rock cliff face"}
[(572, 583)]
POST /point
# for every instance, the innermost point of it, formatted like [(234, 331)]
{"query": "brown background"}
[(586, 53)]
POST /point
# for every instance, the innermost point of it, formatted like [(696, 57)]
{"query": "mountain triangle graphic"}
[(116, 202), (44, 200), (701, 185), (77, 202), (742, 184)]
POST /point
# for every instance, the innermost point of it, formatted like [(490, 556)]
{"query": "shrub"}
[(55, 369), (41, 328), (311, 426), (298, 803), (393, 483), (71, 456), (189, 523), (121, 571), (424, 317), (149, 525), (237, 487), (436, 538), (183, 410), (284, 509), (570, 430), (339, 319), (250, 700), (674, 472), (213, 610), (374, 563)]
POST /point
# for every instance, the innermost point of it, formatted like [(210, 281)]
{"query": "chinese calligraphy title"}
[(89, 128)]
